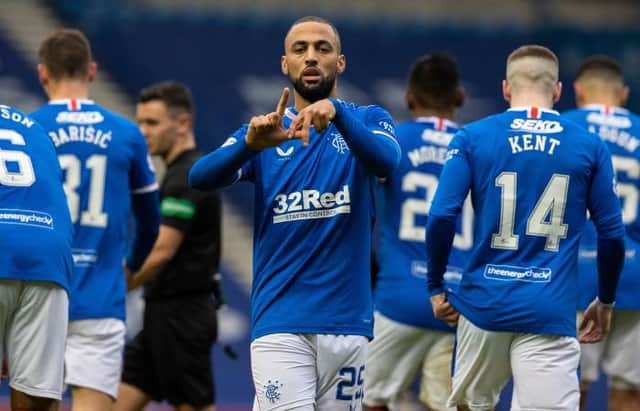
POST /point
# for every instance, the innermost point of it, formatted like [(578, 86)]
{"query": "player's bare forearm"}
[(165, 248)]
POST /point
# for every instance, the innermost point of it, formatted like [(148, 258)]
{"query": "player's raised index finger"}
[(282, 104)]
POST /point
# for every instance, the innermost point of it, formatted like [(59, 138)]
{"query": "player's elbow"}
[(210, 176), (388, 162)]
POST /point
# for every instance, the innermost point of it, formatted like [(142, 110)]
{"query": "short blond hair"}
[(533, 66)]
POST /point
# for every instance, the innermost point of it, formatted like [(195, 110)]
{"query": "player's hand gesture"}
[(443, 310), (318, 115), (595, 323), (267, 131)]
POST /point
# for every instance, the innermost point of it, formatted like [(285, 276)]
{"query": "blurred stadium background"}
[(228, 52)]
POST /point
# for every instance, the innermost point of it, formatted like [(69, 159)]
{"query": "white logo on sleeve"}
[(387, 126), (311, 205), (229, 141)]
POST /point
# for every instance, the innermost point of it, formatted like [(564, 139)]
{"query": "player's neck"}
[(68, 89), (178, 148), (300, 102), (602, 100), (531, 100), (429, 112)]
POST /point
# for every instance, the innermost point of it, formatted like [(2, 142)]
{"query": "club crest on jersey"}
[(272, 390), (311, 205), (338, 143)]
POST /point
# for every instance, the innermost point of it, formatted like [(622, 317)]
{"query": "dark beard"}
[(316, 92)]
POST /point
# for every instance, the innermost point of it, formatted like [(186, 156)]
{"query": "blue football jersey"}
[(35, 229), (620, 130), (406, 197), (314, 211), (533, 175), (105, 160)]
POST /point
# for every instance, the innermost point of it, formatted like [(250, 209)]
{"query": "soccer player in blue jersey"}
[(35, 263), (314, 167), (600, 95), (107, 173), (407, 336), (533, 176)]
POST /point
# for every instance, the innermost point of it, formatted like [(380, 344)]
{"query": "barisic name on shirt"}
[(311, 205), (82, 134)]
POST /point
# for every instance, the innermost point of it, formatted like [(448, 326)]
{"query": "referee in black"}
[(170, 359)]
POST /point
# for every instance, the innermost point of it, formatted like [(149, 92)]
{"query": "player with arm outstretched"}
[(107, 174), (314, 167), (532, 176), (407, 336), (600, 96)]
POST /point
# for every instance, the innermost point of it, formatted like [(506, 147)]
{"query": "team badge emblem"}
[(338, 143), (272, 391)]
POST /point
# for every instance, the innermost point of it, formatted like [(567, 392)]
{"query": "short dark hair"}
[(316, 19), (601, 66), (176, 96), (66, 53), (435, 82)]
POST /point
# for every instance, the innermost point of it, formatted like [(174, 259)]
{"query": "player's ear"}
[(624, 96), (185, 122), (342, 63), (284, 66), (557, 91), (93, 69), (506, 90), (43, 74)]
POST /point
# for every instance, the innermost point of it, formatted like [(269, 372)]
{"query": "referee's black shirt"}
[(197, 215)]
